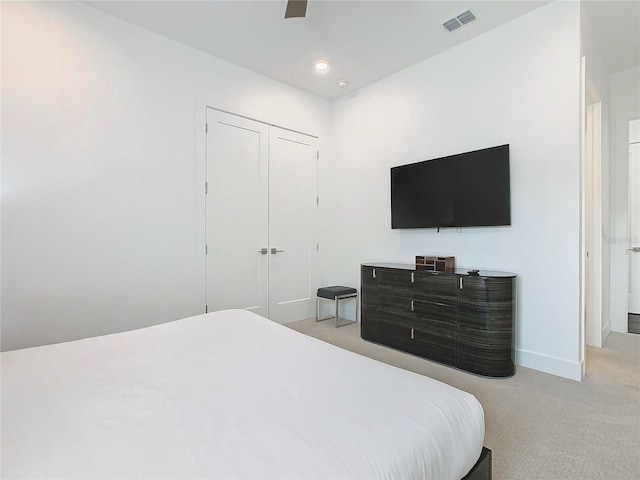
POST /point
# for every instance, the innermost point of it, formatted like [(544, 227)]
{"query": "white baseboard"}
[(606, 330), (549, 364)]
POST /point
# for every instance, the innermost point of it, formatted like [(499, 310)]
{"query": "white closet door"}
[(237, 176), (293, 225), (261, 218)]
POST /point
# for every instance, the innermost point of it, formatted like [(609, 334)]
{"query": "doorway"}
[(260, 218)]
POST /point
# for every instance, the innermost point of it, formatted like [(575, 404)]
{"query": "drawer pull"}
[(413, 279), (374, 273), (412, 334), (460, 278), (412, 308)]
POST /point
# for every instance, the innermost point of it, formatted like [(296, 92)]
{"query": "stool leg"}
[(337, 311), (346, 322), (317, 309), (357, 305)]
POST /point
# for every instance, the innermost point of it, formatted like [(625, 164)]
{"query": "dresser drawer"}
[(435, 287), (425, 311), (438, 345)]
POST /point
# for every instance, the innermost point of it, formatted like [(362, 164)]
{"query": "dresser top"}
[(457, 271)]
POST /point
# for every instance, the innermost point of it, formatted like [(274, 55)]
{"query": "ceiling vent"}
[(459, 20), (452, 24), (466, 17)]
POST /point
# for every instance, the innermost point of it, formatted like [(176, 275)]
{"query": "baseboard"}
[(606, 330), (549, 364)]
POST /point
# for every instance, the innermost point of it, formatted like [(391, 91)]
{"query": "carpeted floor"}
[(541, 426)]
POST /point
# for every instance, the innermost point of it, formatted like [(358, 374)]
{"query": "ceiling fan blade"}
[(296, 9)]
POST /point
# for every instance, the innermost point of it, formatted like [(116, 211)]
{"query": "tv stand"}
[(461, 320)]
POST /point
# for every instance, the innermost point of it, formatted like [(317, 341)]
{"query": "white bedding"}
[(227, 395)]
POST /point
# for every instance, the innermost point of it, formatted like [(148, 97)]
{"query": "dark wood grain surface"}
[(461, 320)]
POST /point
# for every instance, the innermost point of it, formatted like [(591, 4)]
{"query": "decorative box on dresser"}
[(462, 320)]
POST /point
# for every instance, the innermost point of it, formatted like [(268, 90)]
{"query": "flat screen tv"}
[(469, 189)]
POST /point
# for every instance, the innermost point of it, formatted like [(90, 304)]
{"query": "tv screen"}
[(469, 189)]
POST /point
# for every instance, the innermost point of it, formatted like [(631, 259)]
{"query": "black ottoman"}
[(336, 293)]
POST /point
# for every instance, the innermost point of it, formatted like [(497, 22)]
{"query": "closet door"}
[(261, 218), (237, 176), (293, 225)]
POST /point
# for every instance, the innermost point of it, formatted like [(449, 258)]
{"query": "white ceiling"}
[(363, 40)]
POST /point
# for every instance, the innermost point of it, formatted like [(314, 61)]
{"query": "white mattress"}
[(227, 395)]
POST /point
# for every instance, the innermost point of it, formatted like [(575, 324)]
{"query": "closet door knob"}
[(274, 251)]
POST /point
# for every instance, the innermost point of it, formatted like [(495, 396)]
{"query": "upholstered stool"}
[(336, 293)]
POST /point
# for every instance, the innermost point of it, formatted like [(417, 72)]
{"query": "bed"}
[(229, 394)]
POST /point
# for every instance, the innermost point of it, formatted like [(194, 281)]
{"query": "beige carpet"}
[(540, 426)]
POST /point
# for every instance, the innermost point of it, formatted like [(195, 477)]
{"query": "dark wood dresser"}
[(462, 320)]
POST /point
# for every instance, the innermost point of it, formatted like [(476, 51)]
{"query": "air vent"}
[(459, 20), (466, 17), (452, 24)]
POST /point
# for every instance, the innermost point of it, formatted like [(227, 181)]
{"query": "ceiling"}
[(363, 40)]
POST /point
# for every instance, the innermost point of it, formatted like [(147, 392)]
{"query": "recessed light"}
[(343, 84), (322, 66)]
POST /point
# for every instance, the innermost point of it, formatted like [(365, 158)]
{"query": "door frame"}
[(630, 242), (591, 226), (593, 238)]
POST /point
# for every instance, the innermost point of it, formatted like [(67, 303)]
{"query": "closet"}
[(261, 218)]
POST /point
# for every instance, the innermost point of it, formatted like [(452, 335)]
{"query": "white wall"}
[(517, 84), (102, 150), (625, 106)]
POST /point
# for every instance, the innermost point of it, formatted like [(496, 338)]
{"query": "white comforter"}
[(227, 395)]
